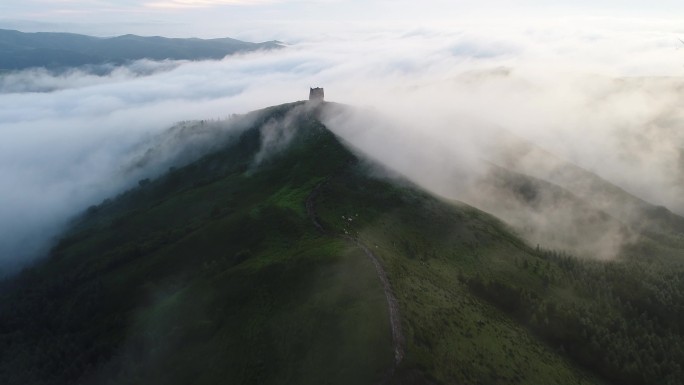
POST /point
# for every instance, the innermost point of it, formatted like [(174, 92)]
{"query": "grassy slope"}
[(207, 275), (429, 247), (215, 274), (480, 306)]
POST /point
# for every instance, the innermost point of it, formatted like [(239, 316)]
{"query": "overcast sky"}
[(265, 19)]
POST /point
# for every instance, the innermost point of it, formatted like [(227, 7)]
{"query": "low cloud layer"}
[(594, 93), (43, 80)]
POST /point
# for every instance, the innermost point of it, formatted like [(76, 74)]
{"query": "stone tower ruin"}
[(316, 94)]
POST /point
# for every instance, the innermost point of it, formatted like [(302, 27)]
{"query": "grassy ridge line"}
[(210, 274), (426, 247), (214, 273), (398, 339)]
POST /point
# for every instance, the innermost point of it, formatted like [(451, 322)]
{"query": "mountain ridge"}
[(56, 50), (215, 272)]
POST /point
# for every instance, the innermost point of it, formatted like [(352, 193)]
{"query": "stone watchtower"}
[(316, 94)]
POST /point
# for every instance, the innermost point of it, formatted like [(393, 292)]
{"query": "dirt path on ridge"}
[(398, 340)]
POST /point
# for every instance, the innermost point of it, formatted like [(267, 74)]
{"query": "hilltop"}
[(285, 256)]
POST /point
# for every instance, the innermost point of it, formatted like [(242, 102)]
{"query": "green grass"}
[(206, 275), (429, 248), (214, 273), (480, 306)]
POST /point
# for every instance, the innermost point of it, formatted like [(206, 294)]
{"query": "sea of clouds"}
[(604, 94)]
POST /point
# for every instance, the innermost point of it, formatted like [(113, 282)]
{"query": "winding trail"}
[(398, 340)]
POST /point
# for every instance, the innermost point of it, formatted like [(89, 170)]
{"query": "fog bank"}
[(593, 93)]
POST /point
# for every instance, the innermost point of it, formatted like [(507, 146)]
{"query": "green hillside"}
[(281, 259)]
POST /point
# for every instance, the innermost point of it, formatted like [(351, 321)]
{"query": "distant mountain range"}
[(19, 50)]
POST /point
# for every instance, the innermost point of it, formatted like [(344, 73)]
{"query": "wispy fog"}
[(43, 80), (434, 104)]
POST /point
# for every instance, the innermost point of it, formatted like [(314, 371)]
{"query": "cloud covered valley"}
[(440, 106)]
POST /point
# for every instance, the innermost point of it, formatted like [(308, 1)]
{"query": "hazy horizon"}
[(296, 20)]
